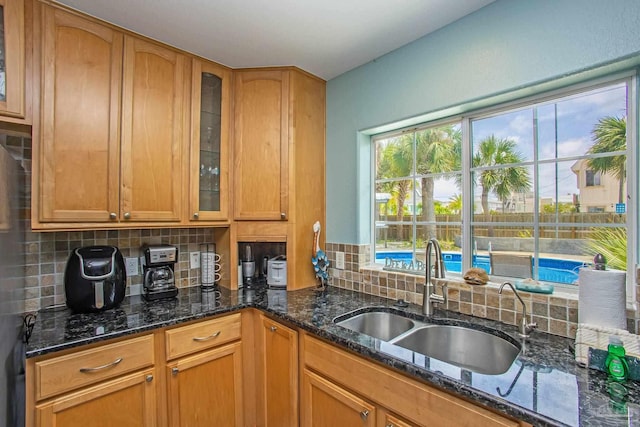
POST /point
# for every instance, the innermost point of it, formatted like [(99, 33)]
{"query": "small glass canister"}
[(209, 265)]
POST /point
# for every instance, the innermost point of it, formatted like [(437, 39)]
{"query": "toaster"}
[(277, 272), (94, 278)]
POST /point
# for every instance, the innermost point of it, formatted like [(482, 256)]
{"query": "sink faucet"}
[(429, 296), (525, 327)]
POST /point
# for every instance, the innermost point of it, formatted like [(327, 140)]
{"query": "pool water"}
[(549, 269)]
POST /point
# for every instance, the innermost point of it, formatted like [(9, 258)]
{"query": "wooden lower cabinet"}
[(206, 389), (129, 401), (325, 404), (277, 374), (242, 369), (416, 402)]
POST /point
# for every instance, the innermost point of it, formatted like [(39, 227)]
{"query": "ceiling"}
[(324, 37)]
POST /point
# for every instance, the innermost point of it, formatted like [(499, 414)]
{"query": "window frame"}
[(630, 78)]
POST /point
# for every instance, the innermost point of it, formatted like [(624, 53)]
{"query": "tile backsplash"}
[(556, 314), (47, 254)]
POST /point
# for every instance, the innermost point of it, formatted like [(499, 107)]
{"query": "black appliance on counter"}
[(159, 280), (94, 279)]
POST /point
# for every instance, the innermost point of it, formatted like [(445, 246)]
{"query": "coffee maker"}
[(158, 268)]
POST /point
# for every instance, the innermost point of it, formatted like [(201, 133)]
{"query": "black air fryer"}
[(94, 279)]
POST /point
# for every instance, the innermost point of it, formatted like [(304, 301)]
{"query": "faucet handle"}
[(530, 327), (445, 291)]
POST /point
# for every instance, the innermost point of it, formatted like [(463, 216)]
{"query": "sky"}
[(574, 120)]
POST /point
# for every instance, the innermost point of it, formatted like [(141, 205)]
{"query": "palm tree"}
[(503, 182), (437, 151), (396, 162), (612, 243), (455, 203), (609, 135)]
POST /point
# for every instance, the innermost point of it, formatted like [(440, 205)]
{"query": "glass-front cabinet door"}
[(209, 142), (12, 54)]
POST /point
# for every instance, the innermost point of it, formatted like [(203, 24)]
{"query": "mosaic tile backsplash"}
[(47, 255), (556, 314)]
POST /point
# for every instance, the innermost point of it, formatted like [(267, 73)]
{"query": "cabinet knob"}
[(283, 215), (127, 215), (175, 371), (149, 378), (273, 328), (113, 215), (364, 415), (196, 215), (390, 425)]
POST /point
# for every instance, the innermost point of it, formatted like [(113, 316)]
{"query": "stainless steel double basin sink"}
[(462, 346)]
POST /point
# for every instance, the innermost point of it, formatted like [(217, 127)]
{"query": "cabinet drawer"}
[(64, 373), (200, 336)]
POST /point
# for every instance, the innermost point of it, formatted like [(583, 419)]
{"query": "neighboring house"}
[(597, 192)]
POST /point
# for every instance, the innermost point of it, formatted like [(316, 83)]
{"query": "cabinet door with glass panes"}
[(12, 55), (209, 195)]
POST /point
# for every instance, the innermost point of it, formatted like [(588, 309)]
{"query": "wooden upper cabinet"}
[(79, 151), (109, 142), (209, 150), (261, 158), (12, 57), (152, 132)]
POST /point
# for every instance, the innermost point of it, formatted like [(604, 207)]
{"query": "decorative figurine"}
[(319, 259)]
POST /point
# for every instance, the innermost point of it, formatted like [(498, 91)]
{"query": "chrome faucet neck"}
[(429, 292), (525, 327)]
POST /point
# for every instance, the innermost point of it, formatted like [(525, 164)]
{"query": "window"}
[(592, 178), (546, 179), (417, 193)]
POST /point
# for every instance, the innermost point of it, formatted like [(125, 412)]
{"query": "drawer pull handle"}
[(210, 337), (273, 328), (364, 415), (100, 368)]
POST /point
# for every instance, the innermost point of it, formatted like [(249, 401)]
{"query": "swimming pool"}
[(549, 269)]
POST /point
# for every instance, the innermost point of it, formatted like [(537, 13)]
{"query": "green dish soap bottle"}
[(616, 363)]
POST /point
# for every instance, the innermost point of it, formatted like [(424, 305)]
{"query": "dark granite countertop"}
[(543, 386)]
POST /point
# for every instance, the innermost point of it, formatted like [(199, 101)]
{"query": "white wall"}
[(505, 50)]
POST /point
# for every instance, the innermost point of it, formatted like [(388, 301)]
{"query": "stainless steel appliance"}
[(159, 271), (95, 279), (277, 272), (248, 267), (12, 262)]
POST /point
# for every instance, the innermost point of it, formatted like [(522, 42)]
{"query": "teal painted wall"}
[(503, 51)]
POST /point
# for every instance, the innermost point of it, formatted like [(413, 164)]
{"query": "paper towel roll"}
[(602, 297)]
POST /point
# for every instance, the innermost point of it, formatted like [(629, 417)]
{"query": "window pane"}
[(600, 191), (559, 195), (503, 190), (566, 127), (411, 191), (504, 138), (394, 157)]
